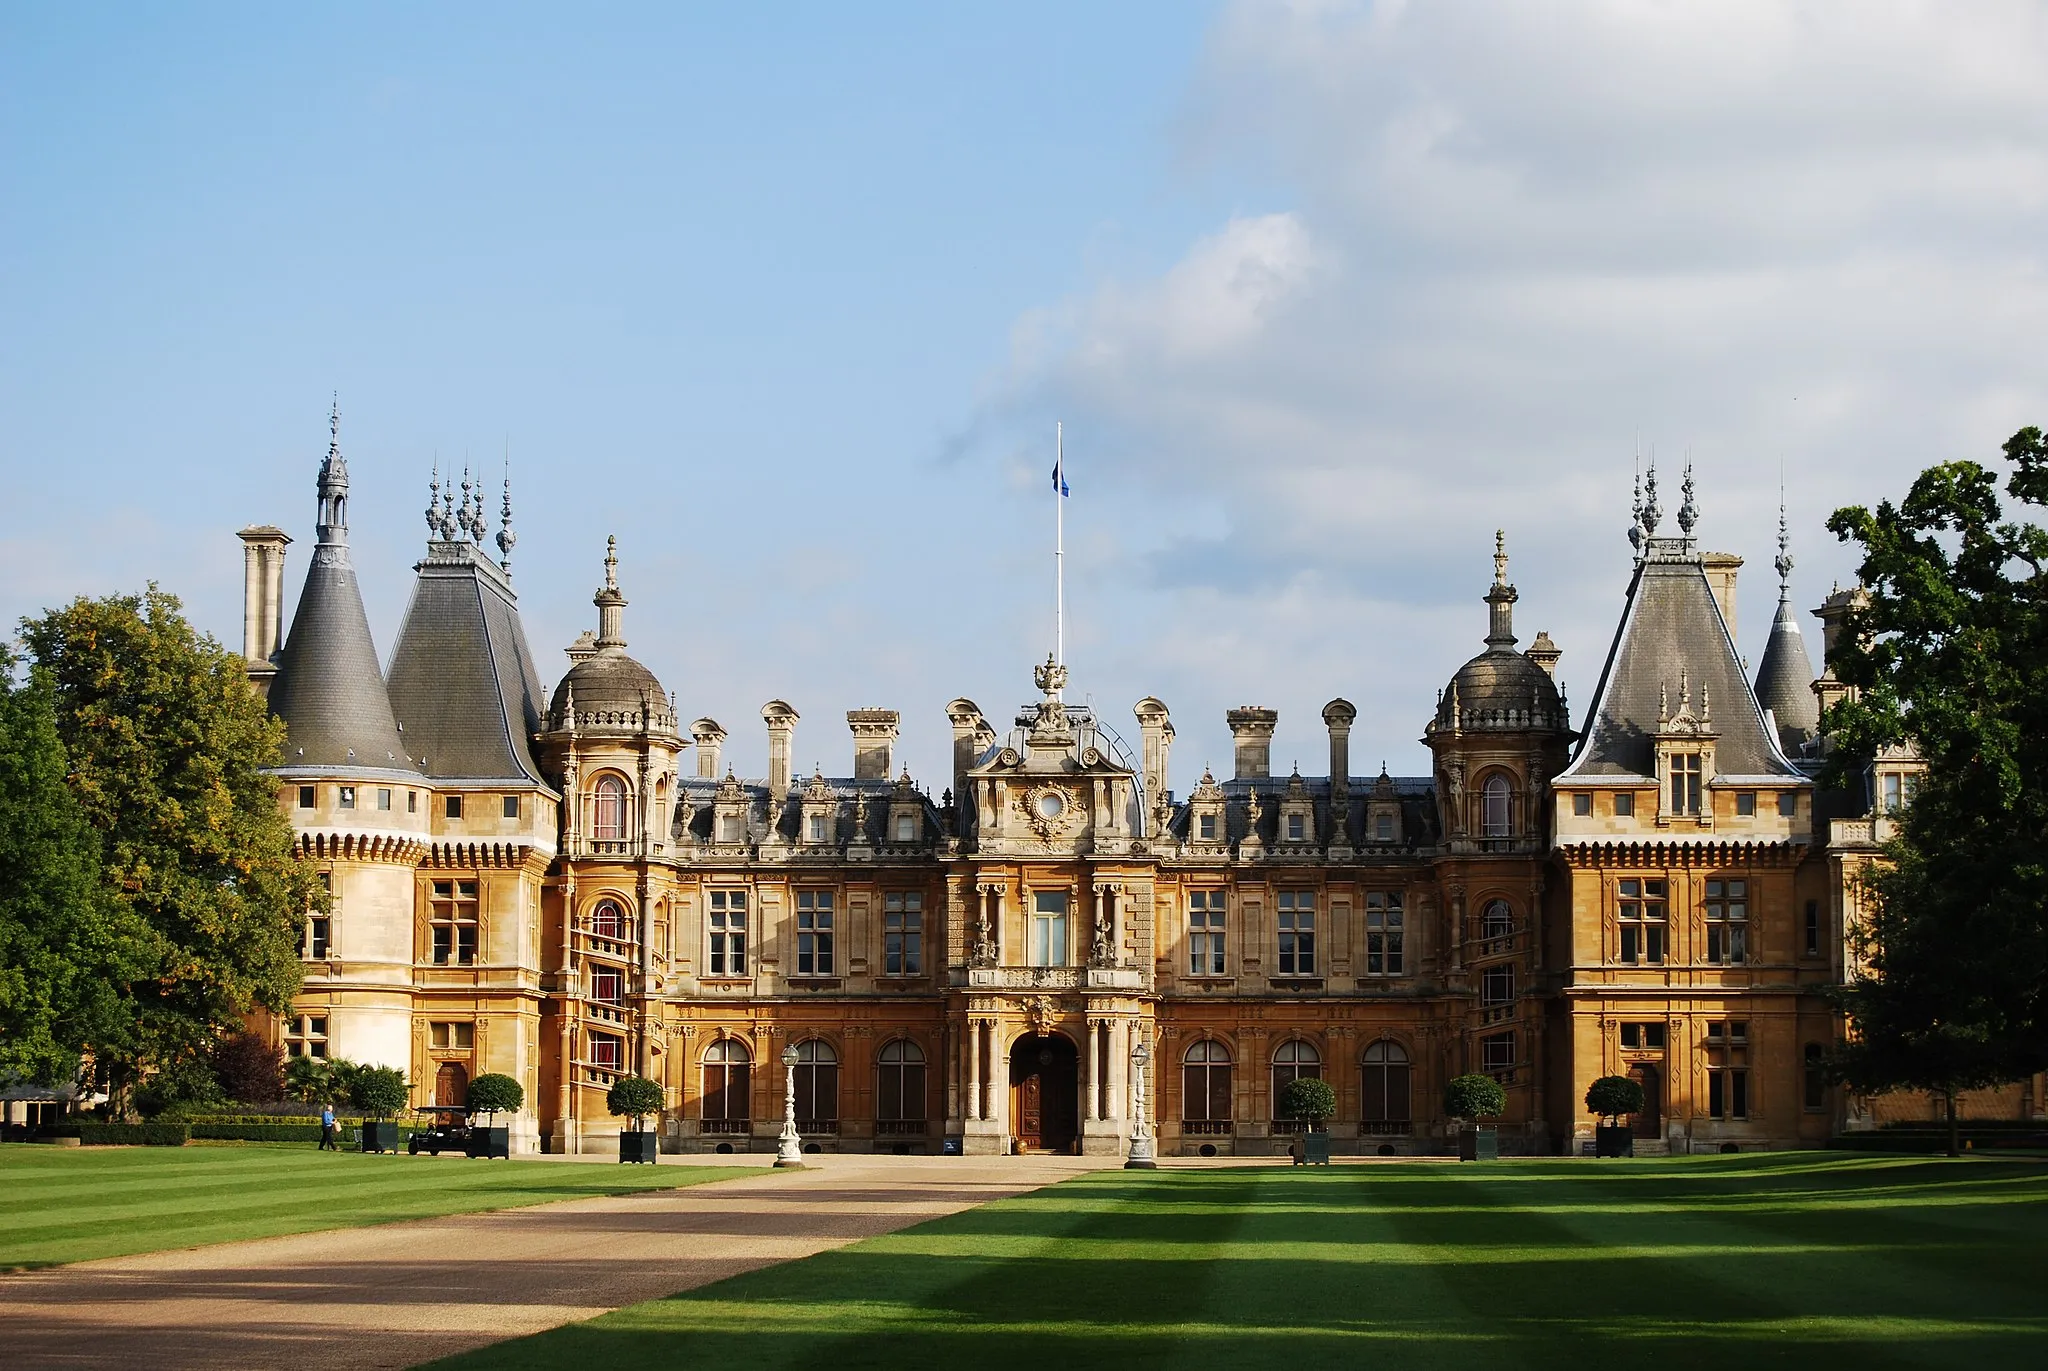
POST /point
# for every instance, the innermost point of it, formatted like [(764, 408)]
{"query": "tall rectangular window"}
[(1811, 931), (1205, 932), (1295, 920), (384, 798), (1205, 828), (1641, 911), (453, 807), (1728, 1092), (319, 927), (814, 933), (607, 1053), (511, 807), (347, 795), (307, 795), (454, 923), (1049, 928), (1497, 1056), (1727, 921), (726, 918), (607, 985), (1788, 804), (1582, 803), (1386, 934), (906, 828), (1497, 985), (1685, 783), (903, 933), (1295, 828)]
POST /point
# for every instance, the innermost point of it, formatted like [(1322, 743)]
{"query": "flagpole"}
[(1059, 546)]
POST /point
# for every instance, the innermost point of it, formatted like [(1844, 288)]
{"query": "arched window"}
[(608, 920), (608, 812), (1295, 1058), (817, 1087), (728, 1099), (1496, 819), (1383, 1098), (1205, 1085), (1496, 920), (899, 1088)]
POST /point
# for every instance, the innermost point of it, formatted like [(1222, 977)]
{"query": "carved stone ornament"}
[(1052, 810), (1040, 1010)]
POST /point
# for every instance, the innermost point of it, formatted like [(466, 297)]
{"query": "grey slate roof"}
[(328, 690), (462, 679), (1673, 624), (1784, 682)]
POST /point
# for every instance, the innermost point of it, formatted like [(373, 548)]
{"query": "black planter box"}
[(380, 1135), (1315, 1149), (1478, 1145), (489, 1142), (1613, 1140), (638, 1147)]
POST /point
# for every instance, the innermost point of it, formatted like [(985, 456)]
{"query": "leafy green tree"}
[(1308, 1097), (1950, 653), (379, 1091), (495, 1093), (633, 1097), (66, 946), (1610, 1097), (166, 746), (318, 1080), (1474, 1097)]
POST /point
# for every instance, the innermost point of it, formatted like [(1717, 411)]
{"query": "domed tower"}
[(1499, 735), (610, 742), (1784, 681)]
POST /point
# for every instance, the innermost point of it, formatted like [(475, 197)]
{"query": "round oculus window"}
[(1050, 804)]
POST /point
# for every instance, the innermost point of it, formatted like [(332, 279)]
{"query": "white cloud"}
[(1502, 241)]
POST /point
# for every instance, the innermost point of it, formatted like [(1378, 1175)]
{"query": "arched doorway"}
[(451, 1085), (1044, 1093), (1650, 1122)]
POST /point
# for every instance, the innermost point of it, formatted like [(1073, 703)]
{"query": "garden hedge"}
[(134, 1134)]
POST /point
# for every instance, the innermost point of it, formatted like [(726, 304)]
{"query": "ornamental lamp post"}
[(1141, 1157), (788, 1152)]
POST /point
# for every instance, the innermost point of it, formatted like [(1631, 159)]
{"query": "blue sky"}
[(789, 301)]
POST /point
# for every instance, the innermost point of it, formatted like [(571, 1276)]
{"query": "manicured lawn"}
[(1808, 1260), (67, 1205)]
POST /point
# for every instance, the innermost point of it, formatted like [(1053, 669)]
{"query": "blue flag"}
[(1059, 477)]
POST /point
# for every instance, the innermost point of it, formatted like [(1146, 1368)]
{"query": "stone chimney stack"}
[(1155, 740), (262, 599), (968, 729), (781, 721), (1252, 726), (874, 742), (710, 742), (1545, 652), (1721, 568), (1339, 714)]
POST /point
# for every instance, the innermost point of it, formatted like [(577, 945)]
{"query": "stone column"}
[(974, 1069), (1088, 1110)]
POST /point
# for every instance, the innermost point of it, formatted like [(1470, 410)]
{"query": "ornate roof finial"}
[(611, 562), (434, 500), (333, 520), (1500, 556), (448, 512), (506, 537), (1784, 562), (1688, 512), (1651, 514)]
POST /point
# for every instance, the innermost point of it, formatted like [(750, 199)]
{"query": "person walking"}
[(327, 1143)]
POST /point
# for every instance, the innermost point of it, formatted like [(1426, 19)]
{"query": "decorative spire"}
[(434, 500), (1784, 562), (447, 527), (1688, 512), (1635, 508), (1500, 599), (333, 520), (506, 537), (611, 605), (1651, 513), (464, 515)]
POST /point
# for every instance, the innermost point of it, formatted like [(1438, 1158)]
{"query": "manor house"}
[(568, 885)]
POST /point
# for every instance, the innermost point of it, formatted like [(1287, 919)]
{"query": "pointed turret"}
[(1784, 680), (329, 690)]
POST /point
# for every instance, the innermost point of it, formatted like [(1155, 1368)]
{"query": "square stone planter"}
[(1478, 1145), (639, 1147), (1614, 1140), (489, 1142)]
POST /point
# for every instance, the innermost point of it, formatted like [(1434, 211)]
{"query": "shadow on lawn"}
[(1522, 1266)]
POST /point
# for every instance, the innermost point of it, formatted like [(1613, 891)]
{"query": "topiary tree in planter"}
[(1314, 1100), (1468, 1099), (635, 1097), (492, 1094), (380, 1092), (1610, 1097)]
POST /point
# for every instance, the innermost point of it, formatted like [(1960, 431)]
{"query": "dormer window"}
[(1383, 828), (1205, 828), (729, 829), (1295, 827), (817, 828), (1685, 783), (906, 828)]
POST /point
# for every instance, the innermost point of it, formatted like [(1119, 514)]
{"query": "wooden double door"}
[(1045, 1093)]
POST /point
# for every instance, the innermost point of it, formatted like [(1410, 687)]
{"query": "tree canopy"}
[(495, 1093), (1474, 1097), (1950, 655), (633, 1097), (1308, 1097), (164, 746), (1613, 1096)]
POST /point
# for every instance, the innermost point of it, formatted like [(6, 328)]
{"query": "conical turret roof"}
[(329, 689)]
